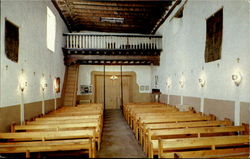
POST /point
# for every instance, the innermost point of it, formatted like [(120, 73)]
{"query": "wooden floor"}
[(118, 140)]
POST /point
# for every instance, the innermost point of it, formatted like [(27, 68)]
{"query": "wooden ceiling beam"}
[(112, 26), (68, 24), (109, 26), (140, 30), (132, 1), (117, 15), (121, 4), (85, 14), (165, 16), (127, 21), (121, 9)]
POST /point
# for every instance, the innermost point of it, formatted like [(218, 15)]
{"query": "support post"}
[(55, 106), (22, 109), (121, 90), (43, 105), (104, 101)]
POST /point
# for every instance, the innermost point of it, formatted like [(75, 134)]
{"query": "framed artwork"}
[(11, 40), (86, 89)]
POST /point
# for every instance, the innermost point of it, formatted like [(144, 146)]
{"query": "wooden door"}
[(127, 89), (99, 89), (112, 90)]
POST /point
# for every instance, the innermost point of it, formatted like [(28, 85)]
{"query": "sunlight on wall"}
[(51, 30)]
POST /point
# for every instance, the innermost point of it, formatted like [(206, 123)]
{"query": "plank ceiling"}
[(133, 16)]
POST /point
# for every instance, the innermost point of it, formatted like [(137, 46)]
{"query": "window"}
[(11, 41), (51, 30), (214, 37)]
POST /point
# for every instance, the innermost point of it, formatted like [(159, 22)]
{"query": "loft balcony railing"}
[(112, 49), (81, 41)]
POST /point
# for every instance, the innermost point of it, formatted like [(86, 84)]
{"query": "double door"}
[(114, 89)]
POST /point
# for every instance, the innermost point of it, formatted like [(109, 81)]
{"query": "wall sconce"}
[(202, 81), (168, 82), (113, 77), (22, 83), (43, 85), (237, 78), (181, 82)]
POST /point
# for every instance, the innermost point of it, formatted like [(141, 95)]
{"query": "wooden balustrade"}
[(112, 41)]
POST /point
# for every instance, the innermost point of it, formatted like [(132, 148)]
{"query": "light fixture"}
[(202, 81), (112, 19), (169, 82), (22, 83), (237, 78), (181, 82), (113, 77), (43, 84)]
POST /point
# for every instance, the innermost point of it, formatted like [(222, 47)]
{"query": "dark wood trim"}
[(61, 15), (128, 0), (119, 35), (162, 20), (107, 52), (124, 4), (117, 63), (114, 57), (121, 14)]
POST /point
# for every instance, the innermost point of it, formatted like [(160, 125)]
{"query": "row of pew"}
[(165, 132), (65, 129)]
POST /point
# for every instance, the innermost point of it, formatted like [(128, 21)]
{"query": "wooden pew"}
[(27, 142), (187, 133), (134, 113), (165, 116), (78, 109), (91, 105), (60, 127), (171, 119), (62, 121), (79, 123), (133, 108), (158, 114), (68, 117), (163, 126), (128, 106), (74, 113), (205, 147)]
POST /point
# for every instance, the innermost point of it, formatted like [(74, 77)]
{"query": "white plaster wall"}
[(143, 74), (184, 47), (34, 57)]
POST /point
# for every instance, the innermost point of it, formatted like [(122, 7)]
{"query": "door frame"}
[(110, 73)]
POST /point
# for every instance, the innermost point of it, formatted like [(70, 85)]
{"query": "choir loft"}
[(125, 79)]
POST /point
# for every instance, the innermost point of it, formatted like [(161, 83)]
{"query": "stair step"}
[(71, 81), (67, 104), (68, 95), (68, 101), (71, 86)]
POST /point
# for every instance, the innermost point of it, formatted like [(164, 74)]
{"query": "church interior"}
[(125, 79)]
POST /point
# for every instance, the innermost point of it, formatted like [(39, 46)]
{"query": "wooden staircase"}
[(70, 91)]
